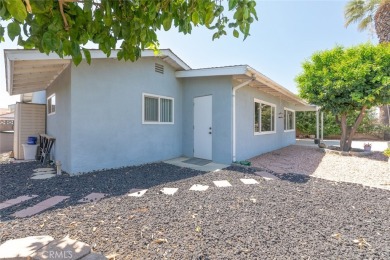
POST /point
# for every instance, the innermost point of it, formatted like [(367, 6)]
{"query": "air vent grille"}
[(159, 68)]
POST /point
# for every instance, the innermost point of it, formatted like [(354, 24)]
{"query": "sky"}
[(287, 33)]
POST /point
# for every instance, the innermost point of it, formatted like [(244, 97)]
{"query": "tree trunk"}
[(344, 145), (347, 132), (382, 21), (384, 117)]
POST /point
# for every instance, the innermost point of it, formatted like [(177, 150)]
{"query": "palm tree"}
[(366, 13), (369, 12)]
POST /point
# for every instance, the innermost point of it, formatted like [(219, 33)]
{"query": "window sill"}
[(288, 131), (158, 123), (51, 114), (265, 133)]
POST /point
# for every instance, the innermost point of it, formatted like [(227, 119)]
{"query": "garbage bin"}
[(29, 151)]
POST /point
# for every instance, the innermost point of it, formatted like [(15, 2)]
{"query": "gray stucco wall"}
[(219, 88), (248, 144), (98, 120), (107, 129), (58, 124)]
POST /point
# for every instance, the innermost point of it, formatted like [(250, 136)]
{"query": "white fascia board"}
[(8, 74), (16, 55), (168, 53), (209, 72), (19, 55), (95, 54), (305, 108)]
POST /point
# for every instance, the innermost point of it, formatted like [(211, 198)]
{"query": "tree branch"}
[(61, 3), (28, 6), (338, 120), (359, 119), (354, 127)]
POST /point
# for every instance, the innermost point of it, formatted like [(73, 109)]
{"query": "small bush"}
[(387, 152)]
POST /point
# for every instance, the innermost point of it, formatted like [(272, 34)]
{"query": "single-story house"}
[(114, 113)]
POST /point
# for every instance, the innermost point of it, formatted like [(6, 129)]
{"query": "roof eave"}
[(240, 70), (13, 56), (19, 54), (272, 84)]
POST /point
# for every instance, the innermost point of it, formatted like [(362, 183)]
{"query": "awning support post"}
[(322, 126)]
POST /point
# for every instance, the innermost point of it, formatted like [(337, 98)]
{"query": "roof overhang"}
[(30, 71), (244, 73)]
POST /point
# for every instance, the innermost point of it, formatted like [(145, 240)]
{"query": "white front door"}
[(203, 131)]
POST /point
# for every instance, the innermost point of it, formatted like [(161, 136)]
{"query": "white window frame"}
[(285, 119), (49, 109), (253, 116), (159, 97)]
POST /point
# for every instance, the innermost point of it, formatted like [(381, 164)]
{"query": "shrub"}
[(387, 152)]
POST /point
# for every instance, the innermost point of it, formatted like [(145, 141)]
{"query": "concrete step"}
[(45, 247), (65, 248)]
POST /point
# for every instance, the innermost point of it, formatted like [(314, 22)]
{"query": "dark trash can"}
[(32, 140)]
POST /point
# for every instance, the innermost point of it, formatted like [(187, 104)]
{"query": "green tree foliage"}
[(306, 123), (65, 26), (344, 80)]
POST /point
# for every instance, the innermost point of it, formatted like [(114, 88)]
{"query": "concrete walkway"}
[(210, 167), (375, 145), (95, 197)]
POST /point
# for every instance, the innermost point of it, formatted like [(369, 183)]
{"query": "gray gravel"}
[(292, 218)]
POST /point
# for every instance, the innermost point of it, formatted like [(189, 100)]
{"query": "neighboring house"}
[(114, 113), (6, 132), (4, 111)]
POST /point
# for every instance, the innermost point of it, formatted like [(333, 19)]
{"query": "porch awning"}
[(29, 73)]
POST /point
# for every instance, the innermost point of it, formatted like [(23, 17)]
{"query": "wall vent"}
[(159, 68)]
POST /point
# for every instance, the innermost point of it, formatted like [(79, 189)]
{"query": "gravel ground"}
[(298, 217), (371, 171)]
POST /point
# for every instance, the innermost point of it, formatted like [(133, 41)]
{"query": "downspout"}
[(234, 112), (317, 123), (322, 126)]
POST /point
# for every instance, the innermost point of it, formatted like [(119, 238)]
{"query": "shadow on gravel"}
[(377, 156), (293, 158), (290, 177), (293, 177), (15, 181)]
